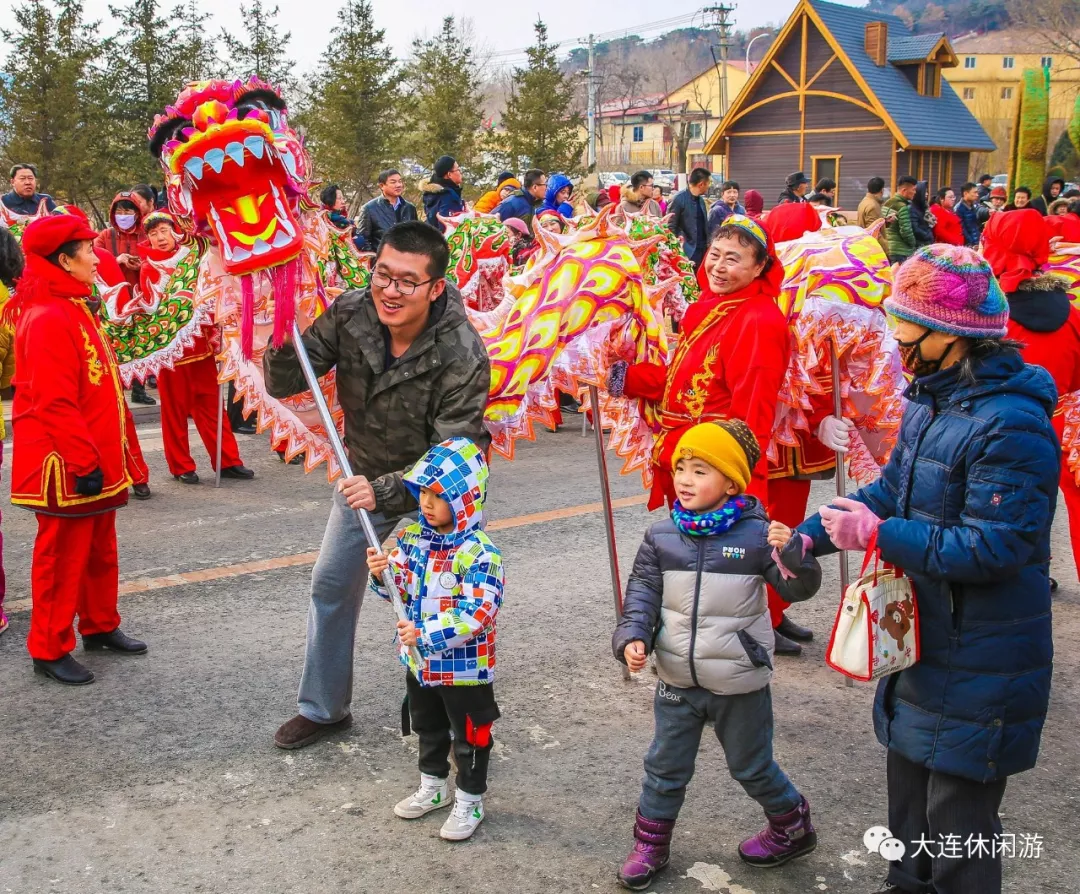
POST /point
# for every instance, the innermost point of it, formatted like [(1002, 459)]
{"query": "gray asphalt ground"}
[(163, 777)]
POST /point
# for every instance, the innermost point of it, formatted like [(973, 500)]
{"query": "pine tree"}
[(352, 115), (446, 101), (54, 100), (196, 52), (261, 52), (148, 72), (541, 126)]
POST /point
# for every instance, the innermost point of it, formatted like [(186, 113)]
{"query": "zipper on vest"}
[(694, 610)]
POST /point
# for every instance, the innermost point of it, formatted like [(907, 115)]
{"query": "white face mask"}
[(125, 221)]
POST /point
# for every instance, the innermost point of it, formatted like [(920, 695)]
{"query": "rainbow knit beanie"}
[(949, 289)]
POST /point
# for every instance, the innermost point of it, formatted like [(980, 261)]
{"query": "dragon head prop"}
[(236, 169)]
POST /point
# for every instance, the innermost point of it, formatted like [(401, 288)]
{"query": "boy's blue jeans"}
[(744, 726)]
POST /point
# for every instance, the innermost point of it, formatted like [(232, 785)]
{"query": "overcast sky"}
[(502, 27)]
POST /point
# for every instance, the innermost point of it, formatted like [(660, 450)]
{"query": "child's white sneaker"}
[(432, 794), (467, 814)]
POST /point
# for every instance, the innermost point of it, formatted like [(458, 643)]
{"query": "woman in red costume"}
[(71, 464), (1042, 318), (190, 389)]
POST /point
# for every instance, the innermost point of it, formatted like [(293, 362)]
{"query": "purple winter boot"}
[(786, 837), (652, 849)]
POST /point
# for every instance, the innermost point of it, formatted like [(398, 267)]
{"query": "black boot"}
[(791, 630), (139, 395), (241, 472), (785, 646), (188, 478), (141, 491), (116, 641), (64, 670)]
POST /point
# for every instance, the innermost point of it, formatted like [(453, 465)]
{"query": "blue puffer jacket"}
[(968, 496), (555, 184)]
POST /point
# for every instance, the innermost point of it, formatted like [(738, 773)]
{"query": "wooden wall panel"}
[(863, 155), (763, 163), (790, 57), (770, 85), (824, 111), (781, 114), (835, 79), (818, 52)]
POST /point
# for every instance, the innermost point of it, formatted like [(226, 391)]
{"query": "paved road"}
[(162, 776)]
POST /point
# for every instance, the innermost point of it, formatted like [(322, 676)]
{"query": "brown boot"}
[(300, 732)]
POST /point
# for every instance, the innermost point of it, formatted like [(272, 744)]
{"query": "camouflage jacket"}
[(435, 390)]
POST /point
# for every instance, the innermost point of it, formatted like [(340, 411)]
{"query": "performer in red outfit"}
[(731, 358), (109, 273), (1016, 245), (71, 463), (190, 388), (791, 473)]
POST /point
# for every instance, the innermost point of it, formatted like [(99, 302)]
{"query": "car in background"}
[(664, 180), (716, 185), (1000, 180), (612, 178)]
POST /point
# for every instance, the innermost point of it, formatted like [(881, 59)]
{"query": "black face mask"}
[(914, 362)]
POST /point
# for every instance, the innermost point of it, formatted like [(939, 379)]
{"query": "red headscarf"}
[(767, 283), (40, 277), (1016, 244), (792, 220), (754, 203), (1067, 226)]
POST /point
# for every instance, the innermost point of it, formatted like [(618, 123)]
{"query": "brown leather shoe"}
[(301, 732)]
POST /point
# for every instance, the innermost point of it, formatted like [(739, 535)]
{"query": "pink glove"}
[(851, 525), (835, 433)]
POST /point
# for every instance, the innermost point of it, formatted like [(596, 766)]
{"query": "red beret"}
[(46, 234)]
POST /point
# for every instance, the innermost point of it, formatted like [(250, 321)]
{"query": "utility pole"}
[(592, 105), (723, 25)]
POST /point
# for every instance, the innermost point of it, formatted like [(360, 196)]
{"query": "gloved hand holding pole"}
[(343, 463)]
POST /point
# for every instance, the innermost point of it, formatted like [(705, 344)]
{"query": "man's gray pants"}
[(338, 583)]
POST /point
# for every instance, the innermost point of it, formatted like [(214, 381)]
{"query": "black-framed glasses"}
[(404, 286)]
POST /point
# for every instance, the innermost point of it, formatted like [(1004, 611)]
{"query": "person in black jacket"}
[(381, 213), (688, 216), (1052, 188), (442, 195), (922, 219)]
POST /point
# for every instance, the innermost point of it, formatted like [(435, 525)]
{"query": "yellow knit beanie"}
[(729, 447)]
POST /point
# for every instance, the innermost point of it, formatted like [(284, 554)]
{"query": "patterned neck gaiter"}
[(708, 523)]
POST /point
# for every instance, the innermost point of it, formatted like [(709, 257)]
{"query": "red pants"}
[(191, 391), (1071, 492), (787, 504), (137, 468), (74, 572)]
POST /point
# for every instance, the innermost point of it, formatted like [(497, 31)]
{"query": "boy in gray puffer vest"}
[(696, 598)]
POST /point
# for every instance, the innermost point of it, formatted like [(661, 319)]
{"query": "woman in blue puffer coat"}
[(558, 195), (964, 506)]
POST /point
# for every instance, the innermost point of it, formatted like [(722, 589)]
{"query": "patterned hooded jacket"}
[(452, 584)]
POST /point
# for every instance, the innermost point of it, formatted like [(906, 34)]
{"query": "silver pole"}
[(223, 391), (592, 105), (609, 516), (346, 470), (841, 475)]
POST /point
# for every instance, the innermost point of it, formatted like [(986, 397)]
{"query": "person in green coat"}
[(899, 233)]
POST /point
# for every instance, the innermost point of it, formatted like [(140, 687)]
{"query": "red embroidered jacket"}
[(68, 413)]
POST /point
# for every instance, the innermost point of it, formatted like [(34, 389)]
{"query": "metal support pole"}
[(346, 470), (841, 475), (223, 391), (592, 105), (609, 516)]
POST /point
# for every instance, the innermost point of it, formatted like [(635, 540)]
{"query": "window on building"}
[(826, 166), (1047, 61), (969, 62), (639, 134), (1006, 92), (694, 130), (1007, 61), (931, 81), (969, 93)]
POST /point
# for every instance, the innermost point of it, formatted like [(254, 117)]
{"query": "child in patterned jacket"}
[(450, 576)]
